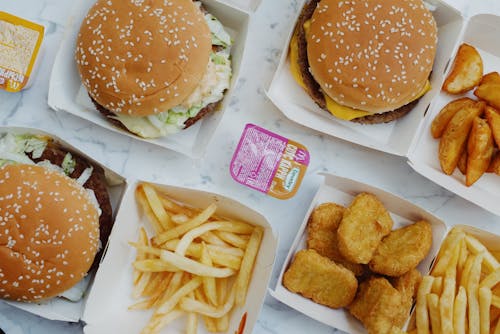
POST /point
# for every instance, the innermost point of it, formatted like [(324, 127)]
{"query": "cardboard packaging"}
[(408, 136), (60, 308), (109, 293), (67, 94), (114, 278), (341, 191)]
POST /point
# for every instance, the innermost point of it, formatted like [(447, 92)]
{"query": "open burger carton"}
[(66, 92), (408, 136), (60, 308), (111, 293), (342, 191)]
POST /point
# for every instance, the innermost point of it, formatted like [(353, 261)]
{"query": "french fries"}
[(470, 274), (467, 71), (196, 264)]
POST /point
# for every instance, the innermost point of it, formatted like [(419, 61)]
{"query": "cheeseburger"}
[(55, 217), (153, 67), (364, 61)]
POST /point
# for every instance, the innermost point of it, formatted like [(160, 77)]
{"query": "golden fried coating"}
[(467, 71), (320, 279), (322, 234), (407, 285), (402, 250), (376, 305), (365, 222)]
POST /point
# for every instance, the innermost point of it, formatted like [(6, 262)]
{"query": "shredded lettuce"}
[(15, 148), (68, 164), (219, 35), (85, 175)]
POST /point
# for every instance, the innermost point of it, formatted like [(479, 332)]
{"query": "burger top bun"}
[(372, 55), (49, 232), (142, 57)]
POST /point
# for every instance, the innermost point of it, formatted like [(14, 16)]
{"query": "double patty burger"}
[(364, 61), (153, 67), (55, 217)]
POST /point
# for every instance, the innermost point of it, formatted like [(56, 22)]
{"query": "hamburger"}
[(364, 61), (55, 218), (153, 67)]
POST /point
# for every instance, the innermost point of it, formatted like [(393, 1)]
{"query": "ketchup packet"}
[(269, 163), (20, 42)]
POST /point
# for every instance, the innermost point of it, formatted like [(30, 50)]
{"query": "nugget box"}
[(341, 191)]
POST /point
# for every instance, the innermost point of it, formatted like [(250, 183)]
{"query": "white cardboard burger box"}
[(66, 93), (342, 191), (109, 293), (60, 308), (408, 136), (107, 305)]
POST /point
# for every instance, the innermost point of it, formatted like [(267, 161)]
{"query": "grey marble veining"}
[(269, 29)]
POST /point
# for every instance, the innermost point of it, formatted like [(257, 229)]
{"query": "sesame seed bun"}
[(49, 232), (374, 56), (142, 57)]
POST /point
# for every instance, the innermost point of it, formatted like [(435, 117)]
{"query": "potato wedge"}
[(493, 117), (492, 77), (462, 162), (446, 114), (467, 71), (479, 150), (494, 166), (454, 138), (490, 92)]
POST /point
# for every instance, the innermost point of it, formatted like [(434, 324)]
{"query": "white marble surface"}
[(134, 159)]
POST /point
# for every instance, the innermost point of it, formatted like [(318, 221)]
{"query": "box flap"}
[(481, 31), (59, 308), (246, 5), (341, 190)]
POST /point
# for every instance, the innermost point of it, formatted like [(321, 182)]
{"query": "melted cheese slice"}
[(337, 110)]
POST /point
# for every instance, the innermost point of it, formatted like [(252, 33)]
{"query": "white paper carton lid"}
[(247, 5)]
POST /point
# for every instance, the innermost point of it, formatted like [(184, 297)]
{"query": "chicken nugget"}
[(322, 234), (376, 305), (365, 222), (402, 250), (407, 285), (318, 278)]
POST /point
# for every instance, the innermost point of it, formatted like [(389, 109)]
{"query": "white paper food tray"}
[(410, 135), (65, 84), (60, 308), (342, 191), (106, 310), (482, 32), (394, 137)]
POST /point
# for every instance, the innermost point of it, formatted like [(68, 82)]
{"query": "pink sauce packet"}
[(269, 163)]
